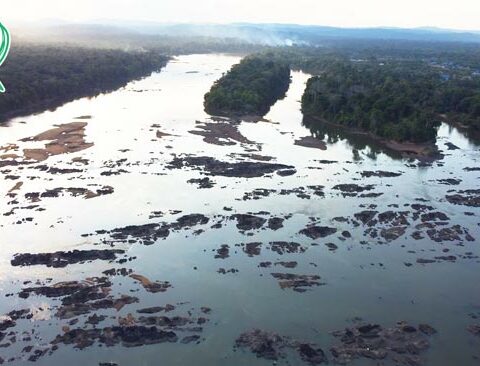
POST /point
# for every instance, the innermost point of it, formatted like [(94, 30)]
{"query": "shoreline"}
[(52, 104), (421, 151)]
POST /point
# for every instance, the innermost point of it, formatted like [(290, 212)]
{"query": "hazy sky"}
[(456, 14)]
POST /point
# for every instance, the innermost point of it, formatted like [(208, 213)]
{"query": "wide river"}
[(386, 240)]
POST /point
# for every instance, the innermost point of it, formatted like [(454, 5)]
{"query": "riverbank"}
[(421, 151)]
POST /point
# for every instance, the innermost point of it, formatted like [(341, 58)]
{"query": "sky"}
[(452, 14)]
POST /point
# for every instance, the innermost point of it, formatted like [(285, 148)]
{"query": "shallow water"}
[(365, 277)]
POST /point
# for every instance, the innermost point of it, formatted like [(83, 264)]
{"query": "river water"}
[(364, 277)]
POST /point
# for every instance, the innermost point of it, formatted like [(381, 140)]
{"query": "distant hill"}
[(281, 34), (265, 34)]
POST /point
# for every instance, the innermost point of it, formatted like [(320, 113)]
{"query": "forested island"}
[(387, 100), (400, 92), (250, 88), (39, 77)]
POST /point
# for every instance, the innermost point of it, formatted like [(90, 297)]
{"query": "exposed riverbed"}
[(191, 233)]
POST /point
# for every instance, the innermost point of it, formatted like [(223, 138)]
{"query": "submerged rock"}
[(402, 343), (469, 198), (242, 169), (150, 286), (249, 222), (223, 252), (353, 188), (202, 183), (62, 259), (315, 232), (272, 346), (296, 282), (284, 247), (379, 173)]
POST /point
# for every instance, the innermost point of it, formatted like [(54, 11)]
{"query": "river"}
[(405, 265)]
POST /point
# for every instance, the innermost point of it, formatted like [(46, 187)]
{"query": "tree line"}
[(39, 77), (400, 92), (249, 88)]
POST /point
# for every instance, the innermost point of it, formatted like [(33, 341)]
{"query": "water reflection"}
[(333, 134)]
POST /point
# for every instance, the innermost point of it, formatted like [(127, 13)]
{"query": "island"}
[(378, 98), (249, 89)]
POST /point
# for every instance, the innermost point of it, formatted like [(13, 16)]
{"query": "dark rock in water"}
[(283, 247), (427, 329), (401, 344), (311, 142), (258, 193), (425, 261), (296, 282), (434, 216), (190, 339), (80, 308), (353, 188), (286, 172), (62, 259), (272, 346), (225, 271), (450, 181), (369, 330), (150, 286), (453, 233), (72, 290), (346, 234), (156, 309), (242, 169), (370, 195), (128, 336), (263, 344), (108, 364), (223, 252), (203, 183), (392, 233), (146, 234), (469, 198), (315, 232), (472, 169), (165, 321), (149, 233), (190, 221), (249, 222), (379, 173), (327, 161), (420, 207), (95, 319), (275, 223), (6, 323), (252, 248), (365, 216), (291, 264), (218, 133), (448, 258), (117, 272), (331, 246), (313, 356), (451, 146)]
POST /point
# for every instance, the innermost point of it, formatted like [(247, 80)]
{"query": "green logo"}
[(4, 48)]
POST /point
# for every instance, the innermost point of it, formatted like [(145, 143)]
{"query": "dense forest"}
[(399, 91), (249, 88), (387, 100), (40, 77)]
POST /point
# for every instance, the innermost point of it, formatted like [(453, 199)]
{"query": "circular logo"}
[(4, 48)]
